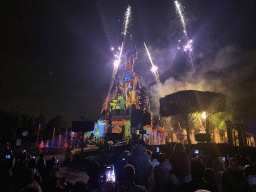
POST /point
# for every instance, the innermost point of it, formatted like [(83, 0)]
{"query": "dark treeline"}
[(12, 126)]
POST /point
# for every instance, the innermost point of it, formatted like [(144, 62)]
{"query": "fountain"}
[(53, 135), (41, 145), (66, 140), (59, 143), (47, 144)]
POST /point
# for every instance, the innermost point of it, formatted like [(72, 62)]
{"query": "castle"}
[(127, 101)]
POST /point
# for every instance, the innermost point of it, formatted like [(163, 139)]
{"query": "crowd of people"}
[(140, 170)]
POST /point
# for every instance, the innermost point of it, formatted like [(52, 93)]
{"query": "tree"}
[(8, 128), (59, 123)]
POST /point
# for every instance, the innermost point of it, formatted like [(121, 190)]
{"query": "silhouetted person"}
[(18, 171), (41, 164), (233, 179), (30, 189), (120, 166), (197, 171), (128, 184), (161, 172), (93, 172), (179, 162), (210, 177), (27, 180), (218, 171), (142, 164)]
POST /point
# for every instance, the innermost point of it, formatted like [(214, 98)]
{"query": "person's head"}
[(29, 157), (30, 189), (161, 158), (53, 160), (233, 163), (128, 173), (79, 186), (154, 155), (179, 147), (49, 164), (149, 152), (93, 170), (32, 163), (216, 166), (54, 182), (142, 142), (209, 175), (41, 156), (125, 153), (197, 168), (23, 157)]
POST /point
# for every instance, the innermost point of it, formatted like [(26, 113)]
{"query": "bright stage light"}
[(204, 115), (116, 63), (154, 69), (112, 48)]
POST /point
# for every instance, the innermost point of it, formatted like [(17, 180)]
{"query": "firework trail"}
[(179, 10), (127, 19), (154, 68), (188, 47), (116, 65)]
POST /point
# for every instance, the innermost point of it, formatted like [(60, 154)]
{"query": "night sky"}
[(56, 56)]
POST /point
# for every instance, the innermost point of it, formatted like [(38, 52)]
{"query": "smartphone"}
[(157, 149), (223, 159), (34, 171), (8, 156), (33, 157), (110, 173), (196, 151)]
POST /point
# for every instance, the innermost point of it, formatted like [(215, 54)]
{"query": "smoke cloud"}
[(225, 73)]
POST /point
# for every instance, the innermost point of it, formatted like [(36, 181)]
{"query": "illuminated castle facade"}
[(126, 97)]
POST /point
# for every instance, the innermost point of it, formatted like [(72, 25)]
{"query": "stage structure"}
[(184, 104), (187, 106)]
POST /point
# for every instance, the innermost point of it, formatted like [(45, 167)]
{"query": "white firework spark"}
[(127, 19)]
